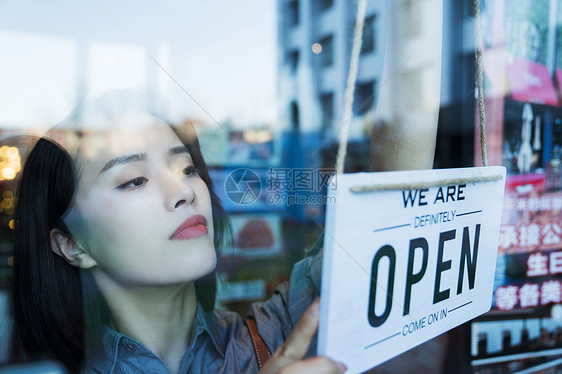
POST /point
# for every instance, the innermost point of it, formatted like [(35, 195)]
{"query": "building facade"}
[(315, 39)]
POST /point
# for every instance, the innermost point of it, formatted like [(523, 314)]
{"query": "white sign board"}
[(407, 256)]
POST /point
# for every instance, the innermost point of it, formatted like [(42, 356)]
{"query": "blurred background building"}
[(315, 39)]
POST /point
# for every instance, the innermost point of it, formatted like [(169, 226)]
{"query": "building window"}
[(327, 106), (293, 12), (368, 44), (468, 8), (325, 4), (293, 60), (295, 116), (364, 97), (327, 54)]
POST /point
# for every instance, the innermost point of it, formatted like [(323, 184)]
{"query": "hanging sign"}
[(407, 256)]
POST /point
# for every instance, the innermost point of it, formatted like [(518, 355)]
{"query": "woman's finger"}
[(297, 343)]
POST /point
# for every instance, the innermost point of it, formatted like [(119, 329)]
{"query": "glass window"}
[(469, 8), (295, 117), (327, 54), (364, 97), (327, 105), (368, 44), (293, 60), (293, 12), (325, 4), (245, 76)]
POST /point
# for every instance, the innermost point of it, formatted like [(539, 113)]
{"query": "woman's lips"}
[(193, 227)]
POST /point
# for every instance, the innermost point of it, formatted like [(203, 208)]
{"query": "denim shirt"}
[(221, 342)]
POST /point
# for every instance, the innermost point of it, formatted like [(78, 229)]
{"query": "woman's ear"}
[(64, 245)]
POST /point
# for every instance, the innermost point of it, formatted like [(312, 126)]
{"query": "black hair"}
[(58, 311)]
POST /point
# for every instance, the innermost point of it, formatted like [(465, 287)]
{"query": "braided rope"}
[(479, 81), (350, 88)]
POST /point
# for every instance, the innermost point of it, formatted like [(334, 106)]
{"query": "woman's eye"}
[(189, 171), (133, 183)]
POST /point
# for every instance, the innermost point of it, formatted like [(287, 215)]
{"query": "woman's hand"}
[(287, 359)]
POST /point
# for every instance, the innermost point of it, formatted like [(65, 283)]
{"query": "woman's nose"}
[(179, 192)]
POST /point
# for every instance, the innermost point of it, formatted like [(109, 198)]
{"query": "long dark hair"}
[(58, 312)]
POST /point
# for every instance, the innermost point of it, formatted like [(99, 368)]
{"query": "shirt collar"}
[(207, 322), (104, 359)]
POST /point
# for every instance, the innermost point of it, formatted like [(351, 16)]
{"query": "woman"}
[(115, 256)]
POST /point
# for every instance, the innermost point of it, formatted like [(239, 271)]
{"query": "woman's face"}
[(145, 215)]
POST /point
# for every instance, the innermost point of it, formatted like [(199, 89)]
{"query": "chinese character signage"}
[(530, 242)]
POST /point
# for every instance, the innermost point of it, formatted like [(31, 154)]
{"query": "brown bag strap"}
[(261, 350)]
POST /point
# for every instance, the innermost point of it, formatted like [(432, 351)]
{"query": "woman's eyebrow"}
[(123, 160), (178, 150)]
